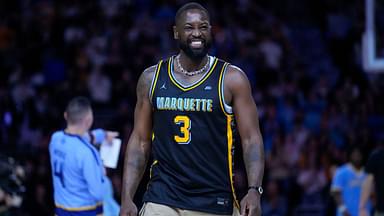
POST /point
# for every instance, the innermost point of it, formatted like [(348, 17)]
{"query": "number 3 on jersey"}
[(185, 125)]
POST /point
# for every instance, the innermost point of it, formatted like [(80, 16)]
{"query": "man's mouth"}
[(196, 44)]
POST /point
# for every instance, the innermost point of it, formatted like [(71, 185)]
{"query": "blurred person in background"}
[(12, 188), (347, 183), (274, 203), (77, 169), (374, 182)]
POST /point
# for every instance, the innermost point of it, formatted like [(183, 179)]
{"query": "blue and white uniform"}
[(349, 182), (77, 172)]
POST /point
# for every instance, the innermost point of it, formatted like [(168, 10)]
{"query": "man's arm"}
[(238, 91), (341, 208), (97, 136), (139, 144), (92, 173), (366, 191)]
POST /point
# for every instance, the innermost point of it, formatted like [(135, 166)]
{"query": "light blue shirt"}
[(111, 207), (77, 170), (349, 182)]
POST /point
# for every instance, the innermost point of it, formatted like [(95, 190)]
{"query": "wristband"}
[(259, 189)]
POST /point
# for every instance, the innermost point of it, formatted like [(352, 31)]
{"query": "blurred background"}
[(303, 59)]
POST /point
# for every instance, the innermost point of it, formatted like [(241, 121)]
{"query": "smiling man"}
[(188, 109)]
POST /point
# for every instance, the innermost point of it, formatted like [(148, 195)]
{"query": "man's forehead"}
[(193, 15)]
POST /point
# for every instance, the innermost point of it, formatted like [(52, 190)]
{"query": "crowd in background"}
[(303, 59)]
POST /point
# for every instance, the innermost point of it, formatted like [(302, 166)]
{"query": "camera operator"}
[(11, 185)]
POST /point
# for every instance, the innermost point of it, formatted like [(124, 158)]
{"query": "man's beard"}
[(195, 54)]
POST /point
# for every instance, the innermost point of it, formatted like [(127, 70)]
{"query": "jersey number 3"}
[(185, 125)]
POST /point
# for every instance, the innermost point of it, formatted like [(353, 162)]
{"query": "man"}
[(77, 169), (187, 109), (347, 183), (374, 182)]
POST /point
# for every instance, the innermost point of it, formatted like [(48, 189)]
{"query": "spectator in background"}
[(347, 183), (274, 204), (110, 206), (375, 178), (77, 170)]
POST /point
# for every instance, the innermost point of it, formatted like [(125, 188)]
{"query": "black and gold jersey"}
[(192, 141)]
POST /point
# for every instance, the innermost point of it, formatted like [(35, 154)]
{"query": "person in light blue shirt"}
[(111, 207), (77, 169), (347, 184)]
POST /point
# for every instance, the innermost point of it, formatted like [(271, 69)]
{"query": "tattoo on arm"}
[(254, 162), (134, 164), (138, 147)]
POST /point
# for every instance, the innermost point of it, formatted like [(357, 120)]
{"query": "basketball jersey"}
[(192, 141)]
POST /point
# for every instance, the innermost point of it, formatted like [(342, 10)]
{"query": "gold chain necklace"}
[(191, 73)]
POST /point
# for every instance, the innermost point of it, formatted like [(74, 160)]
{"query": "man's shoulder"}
[(56, 136), (235, 77), (347, 167), (152, 69), (234, 69), (342, 170), (58, 133)]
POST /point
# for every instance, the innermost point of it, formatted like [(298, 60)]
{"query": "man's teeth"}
[(196, 43)]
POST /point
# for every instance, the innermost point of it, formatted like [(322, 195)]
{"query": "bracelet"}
[(258, 189)]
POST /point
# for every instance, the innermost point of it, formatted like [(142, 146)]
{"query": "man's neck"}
[(356, 168), (75, 130), (190, 64)]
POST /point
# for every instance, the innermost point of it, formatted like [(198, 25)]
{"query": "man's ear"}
[(175, 33), (65, 115)]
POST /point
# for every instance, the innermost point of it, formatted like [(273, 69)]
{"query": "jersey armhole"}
[(227, 109), (154, 81)]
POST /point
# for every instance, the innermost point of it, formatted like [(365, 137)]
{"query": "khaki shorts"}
[(154, 209)]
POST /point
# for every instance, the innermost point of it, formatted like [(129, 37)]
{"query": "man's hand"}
[(250, 204), (128, 209), (363, 212), (110, 135)]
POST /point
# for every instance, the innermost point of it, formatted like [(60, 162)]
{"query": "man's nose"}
[(196, 32)]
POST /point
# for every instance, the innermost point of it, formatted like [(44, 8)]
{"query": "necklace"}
[(191, 73)]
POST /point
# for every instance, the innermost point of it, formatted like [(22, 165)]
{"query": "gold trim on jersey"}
[(230, 158), (150, 172), (154, 82), (221, 89), (150, 169), (85, 208), (173, 79)]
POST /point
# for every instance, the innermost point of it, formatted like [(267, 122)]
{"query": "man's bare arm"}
[(366, 192), (245, 110), (139, 144), (247, 122)]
